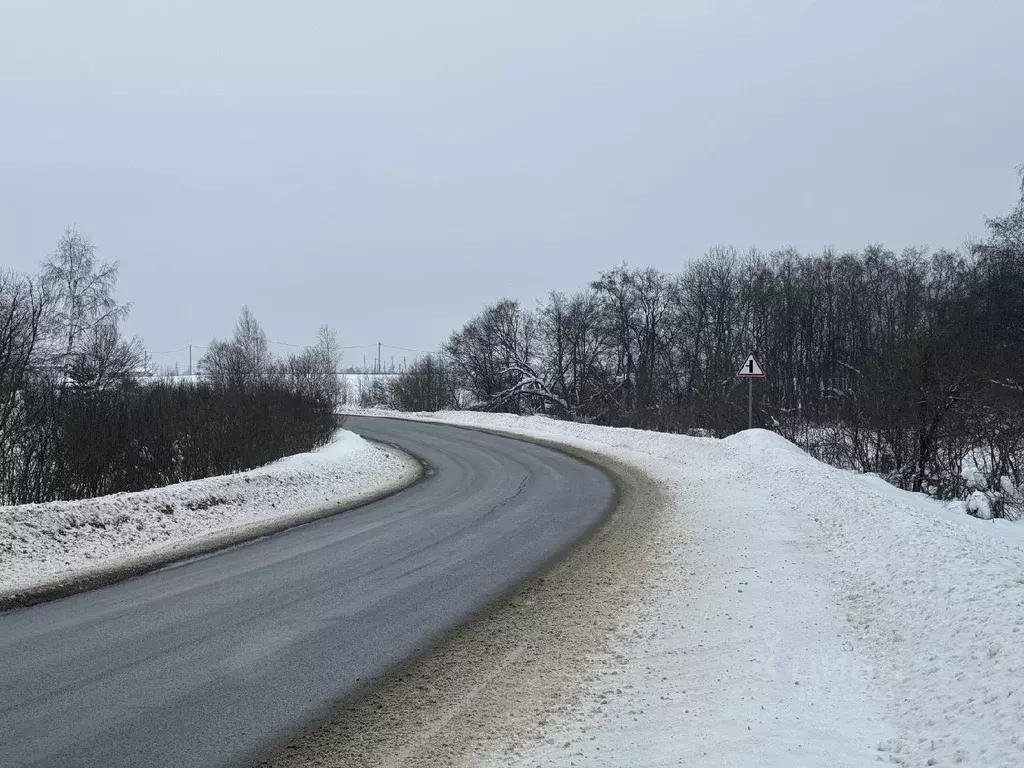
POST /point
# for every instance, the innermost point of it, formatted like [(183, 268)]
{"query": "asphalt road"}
[(211, 661)]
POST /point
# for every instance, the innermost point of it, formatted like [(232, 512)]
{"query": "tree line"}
[(905, 364), (76, 422)]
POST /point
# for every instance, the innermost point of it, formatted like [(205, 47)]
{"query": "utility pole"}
[(189, 359), (378, 357)]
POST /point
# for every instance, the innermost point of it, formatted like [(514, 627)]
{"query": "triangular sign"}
[(751, 369)]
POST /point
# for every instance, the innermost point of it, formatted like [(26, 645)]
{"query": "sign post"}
[(751, 369)]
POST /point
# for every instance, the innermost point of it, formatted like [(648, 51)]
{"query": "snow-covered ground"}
[(803, 616), (40, 542)]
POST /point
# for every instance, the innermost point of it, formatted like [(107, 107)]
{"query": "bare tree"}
[(574, 349), (251, 346), (81, 289), (105, 359), (314, 371), (327, 347), (22, 315), (494, 357), (244, 360), (427, 385)]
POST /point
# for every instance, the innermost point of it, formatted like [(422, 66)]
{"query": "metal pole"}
[(750, 403)]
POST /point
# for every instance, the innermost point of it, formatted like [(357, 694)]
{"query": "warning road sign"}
[(752, 369)]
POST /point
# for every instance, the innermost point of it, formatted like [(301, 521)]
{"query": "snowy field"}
[(802, 616), (40, 542)]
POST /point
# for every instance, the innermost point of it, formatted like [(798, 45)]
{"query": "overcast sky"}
[(388, 167)]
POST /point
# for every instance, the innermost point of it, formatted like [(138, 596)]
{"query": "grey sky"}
[(388, 167)]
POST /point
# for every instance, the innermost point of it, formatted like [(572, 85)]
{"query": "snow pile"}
[(41, 541), (988, 499), (805, 616)]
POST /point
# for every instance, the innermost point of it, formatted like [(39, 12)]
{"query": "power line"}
[(409, 349), (286, 344), (350, 346)]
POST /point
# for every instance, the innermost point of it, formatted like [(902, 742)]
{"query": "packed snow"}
[(41, 541), (804, 616)]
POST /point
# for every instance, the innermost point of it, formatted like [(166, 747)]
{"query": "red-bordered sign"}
[(752, 369)]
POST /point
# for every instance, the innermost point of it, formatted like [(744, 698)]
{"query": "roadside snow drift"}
[(42, 542), (802, 616)]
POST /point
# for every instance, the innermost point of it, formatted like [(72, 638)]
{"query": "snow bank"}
[(40, 542), (805, 616)]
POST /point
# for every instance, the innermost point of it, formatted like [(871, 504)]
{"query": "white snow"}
[(979, 505), (805, 616), (41, 541)]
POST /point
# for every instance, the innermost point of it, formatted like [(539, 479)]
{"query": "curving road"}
[(209, 662)]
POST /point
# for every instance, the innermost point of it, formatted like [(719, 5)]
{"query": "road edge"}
[(130, 567)]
